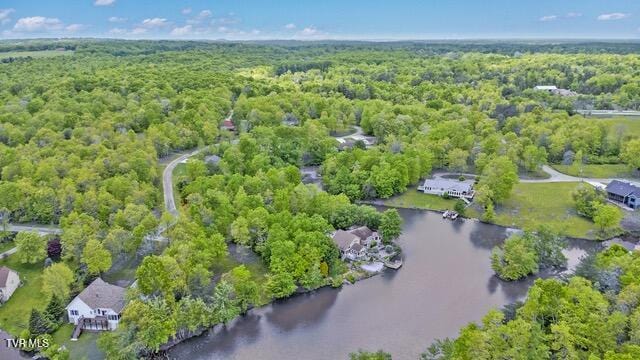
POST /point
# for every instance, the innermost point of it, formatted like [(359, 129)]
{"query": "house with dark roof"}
[(9, 282), (97, 307), (624, 192)]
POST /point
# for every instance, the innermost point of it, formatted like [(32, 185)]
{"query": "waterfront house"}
[(9, 282), (624, 193), (453, 188), (344, 240), (366, 235), (97, 307)]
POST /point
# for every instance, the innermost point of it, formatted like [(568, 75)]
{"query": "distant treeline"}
[(146, 47)]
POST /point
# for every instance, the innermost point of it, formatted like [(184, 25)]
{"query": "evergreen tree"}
[(55, 309), (38, 323)]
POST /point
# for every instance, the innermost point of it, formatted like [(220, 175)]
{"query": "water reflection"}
[(446, 282)]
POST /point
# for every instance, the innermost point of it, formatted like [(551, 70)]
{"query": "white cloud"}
[(4, 15), (117, 31), (290, 26), (74, 27), (574, 14), (200, 17), (103, 2), (138, 30), (204, 14), (613, 16), (186, 11), (37, 24), (225, 20), (309, 31), (549, 18), (223, 29), (154, 23), (182, 31), (115, 19)]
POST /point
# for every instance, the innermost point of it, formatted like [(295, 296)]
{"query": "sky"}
[(321, 19)]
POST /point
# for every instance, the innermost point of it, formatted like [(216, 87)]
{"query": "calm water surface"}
[(445, 283)]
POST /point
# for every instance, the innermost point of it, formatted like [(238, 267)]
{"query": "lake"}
[(445, 283)]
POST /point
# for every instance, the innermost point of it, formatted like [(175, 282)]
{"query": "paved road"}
[(167, 178), (167, 181), (554, 176), (42, 230), (358, 132)]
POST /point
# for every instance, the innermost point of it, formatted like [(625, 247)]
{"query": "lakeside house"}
[(9, 282), (98, 307), (624, 193), (453, 188), (353, 243)]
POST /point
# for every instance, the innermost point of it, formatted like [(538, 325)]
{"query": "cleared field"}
[(628, 125), (34, 54), (414, 199), (534, 204), (595, 171)]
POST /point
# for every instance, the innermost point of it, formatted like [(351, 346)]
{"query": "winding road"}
[(167, 181)]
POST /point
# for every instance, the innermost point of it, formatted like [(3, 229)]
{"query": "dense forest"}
[(81, 137)]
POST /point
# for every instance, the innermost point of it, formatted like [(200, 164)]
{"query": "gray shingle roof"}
[(622, 188), (448, 185), (102, 295), (344, 239), (362, 232), (4, 275)]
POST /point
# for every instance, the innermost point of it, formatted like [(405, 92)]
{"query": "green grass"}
[(6, 245), (534, 204), (630, 125), (595, 171), (15, 313), (34, 54), (414, 199)]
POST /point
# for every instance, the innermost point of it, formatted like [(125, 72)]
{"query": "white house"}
[(9, 282), (453, 188), (547, 88), (97, 307)]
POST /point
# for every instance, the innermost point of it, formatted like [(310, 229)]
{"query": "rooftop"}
[(622, 188), (102, 295), (4, 275), (449, 184), (344, 239)]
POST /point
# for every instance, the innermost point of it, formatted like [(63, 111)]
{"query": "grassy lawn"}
[(595, 171), (416, 200), (84, 348), (6, 245), (533, 204), (34, 54), (15, 313), (630, 125)]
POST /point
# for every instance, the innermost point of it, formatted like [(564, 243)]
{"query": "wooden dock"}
[(395, 265)]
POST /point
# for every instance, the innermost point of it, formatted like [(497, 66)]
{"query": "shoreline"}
[(379, 202), (364, 275)]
